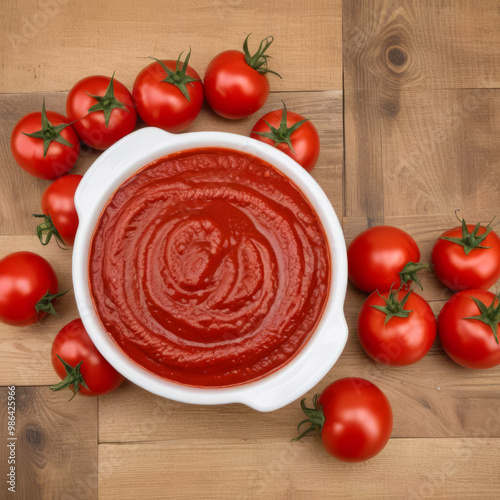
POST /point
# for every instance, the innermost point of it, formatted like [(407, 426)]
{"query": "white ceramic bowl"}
[(274, 391)]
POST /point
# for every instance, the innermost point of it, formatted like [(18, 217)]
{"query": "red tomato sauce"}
[(209, 268)]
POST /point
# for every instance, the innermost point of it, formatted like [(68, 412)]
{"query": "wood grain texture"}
[(422, 112), (98, 38), (278, 469), (56, 451), (428, 44), (422, 153), (434, 398)]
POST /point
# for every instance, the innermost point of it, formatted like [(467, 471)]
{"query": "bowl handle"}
[(294, 385), (145, 139)]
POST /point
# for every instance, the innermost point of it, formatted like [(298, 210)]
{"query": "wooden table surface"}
[(406, 98)]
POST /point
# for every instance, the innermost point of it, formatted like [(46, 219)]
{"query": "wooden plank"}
[(427, 153), (433, 398), (428, 44), (55, 448), (279, 469), (20, 192), (91, 38), (410, 148)]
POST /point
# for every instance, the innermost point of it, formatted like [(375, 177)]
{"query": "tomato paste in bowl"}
[(210, 268)]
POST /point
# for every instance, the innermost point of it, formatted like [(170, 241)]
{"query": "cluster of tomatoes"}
[(167, 94), (100, 111), (397, 327), (28, 288)]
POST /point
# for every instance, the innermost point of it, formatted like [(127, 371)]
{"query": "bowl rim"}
[(279, 388)]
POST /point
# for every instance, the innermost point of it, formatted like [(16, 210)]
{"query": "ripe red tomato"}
[(167, 95), (467, 257), (80, 365), (396, 328), (59, 213), (469, 327), (291, 133), (236, 85), (383, 256), (102, 110), (28, 285), (355, 419), (45, 144)]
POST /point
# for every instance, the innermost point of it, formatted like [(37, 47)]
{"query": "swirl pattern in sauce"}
[(209, 268)]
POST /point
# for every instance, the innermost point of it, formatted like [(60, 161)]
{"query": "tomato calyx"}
[(45, 303), (258, 61), (409, 272), (282, 134), (49, 132), (107, 102), (470, 241), (178, 77), (393, 307), (315, 417), (490, 315), (73, 378), (46, 229)]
